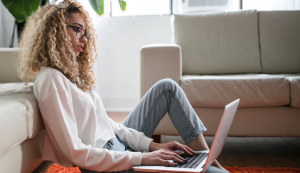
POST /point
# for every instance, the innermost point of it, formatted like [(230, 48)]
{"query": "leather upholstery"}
[(257, 121), (20, 116), (159, 60), (218, 51), (279, 41), (294, 80), (8, 70), (254, 90), (23, 158), (218, 42), (13, 124)]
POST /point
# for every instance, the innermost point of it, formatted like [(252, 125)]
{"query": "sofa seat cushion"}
[(254, 90), (294, 80)]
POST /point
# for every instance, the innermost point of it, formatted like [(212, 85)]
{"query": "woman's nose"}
[(84, 39)]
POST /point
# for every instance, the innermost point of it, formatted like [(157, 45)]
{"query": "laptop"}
[(204, 159)]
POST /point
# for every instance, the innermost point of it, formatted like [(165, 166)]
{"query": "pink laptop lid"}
[(222, 132)]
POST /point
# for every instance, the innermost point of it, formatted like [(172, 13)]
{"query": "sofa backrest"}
[(8, 70), (218, 42), (279, 35)]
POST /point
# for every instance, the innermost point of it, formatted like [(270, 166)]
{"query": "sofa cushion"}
[(8, 65), (279, 41), (13, 124), (20, 93), (294, 89), (7, 89), (33, 115), (218, 42), (254, 90)]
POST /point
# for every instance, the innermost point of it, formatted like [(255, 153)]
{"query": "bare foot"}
[(217, 164)]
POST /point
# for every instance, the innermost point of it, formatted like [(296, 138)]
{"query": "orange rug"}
[(237, 169), (55, 168)]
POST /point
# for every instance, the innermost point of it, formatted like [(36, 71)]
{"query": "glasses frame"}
[(87, 36)]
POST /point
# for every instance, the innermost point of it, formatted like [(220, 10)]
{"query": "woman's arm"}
[(161, 153)]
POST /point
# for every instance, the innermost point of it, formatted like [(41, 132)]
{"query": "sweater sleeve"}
[(61, 125), (133, 138)]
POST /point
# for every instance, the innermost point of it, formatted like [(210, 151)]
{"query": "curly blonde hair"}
[(45, 42)]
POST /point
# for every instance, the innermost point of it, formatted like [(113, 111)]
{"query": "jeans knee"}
[(167, 82)]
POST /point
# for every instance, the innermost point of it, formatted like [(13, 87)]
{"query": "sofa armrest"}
[(159, 61)]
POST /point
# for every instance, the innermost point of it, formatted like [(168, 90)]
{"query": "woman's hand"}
[(161, 157), (172, 146), (162, 153)]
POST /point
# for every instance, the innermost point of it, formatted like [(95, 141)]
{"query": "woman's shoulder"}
[(49, 72), (50, 79)]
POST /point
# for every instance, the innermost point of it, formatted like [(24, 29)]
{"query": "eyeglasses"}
[(80, 32)]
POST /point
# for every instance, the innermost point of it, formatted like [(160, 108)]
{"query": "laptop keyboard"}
[(193, 161)]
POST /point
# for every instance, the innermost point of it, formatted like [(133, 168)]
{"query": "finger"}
[(191, 150), (173, 153), (163, 162), (175, 158), (178, 153), (168, 163), (185, 149)]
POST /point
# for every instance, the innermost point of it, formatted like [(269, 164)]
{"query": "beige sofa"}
[(270, 103), (21, 126), (218, 57)]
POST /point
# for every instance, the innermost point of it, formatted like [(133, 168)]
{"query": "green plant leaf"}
[(98, 6), (122, 5), (21, 9)]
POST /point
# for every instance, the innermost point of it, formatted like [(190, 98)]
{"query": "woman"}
[(58, 52)]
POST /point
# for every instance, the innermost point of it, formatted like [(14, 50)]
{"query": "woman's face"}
[(76, 21)]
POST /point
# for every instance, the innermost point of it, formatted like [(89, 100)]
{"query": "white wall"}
[(118, 66)]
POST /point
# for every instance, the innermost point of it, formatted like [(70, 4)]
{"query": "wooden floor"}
[(246, 151)]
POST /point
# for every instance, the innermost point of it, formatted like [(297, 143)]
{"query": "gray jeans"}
[(164, 96)]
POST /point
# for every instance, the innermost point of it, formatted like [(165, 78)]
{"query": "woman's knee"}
[(166, 82)]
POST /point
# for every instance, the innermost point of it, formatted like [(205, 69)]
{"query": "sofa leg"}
[(156, 138)]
